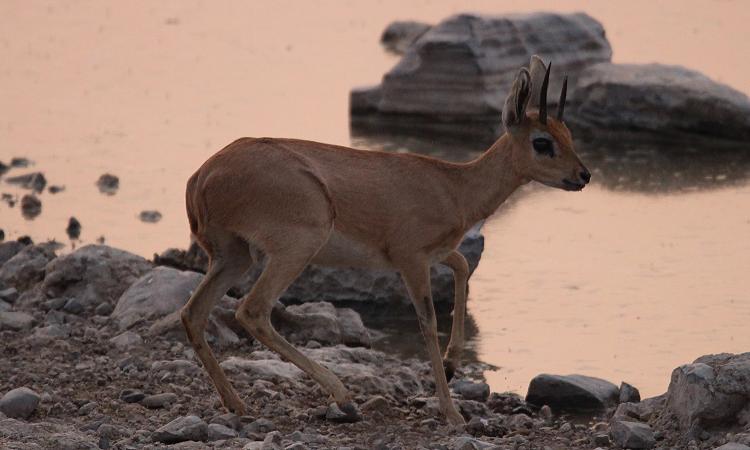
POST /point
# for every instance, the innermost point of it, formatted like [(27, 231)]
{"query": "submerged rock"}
[(108, 184), (31, 206), (34, 181), (667, 101), (572, 392), (150, 216)]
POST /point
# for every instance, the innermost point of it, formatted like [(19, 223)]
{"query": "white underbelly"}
[(343, 251)]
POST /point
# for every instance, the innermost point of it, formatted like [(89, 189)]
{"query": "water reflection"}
[(630, 164)]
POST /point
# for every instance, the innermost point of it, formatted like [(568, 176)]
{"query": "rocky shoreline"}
[(94, 356)]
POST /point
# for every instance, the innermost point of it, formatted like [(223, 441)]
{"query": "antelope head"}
[(542, 147)]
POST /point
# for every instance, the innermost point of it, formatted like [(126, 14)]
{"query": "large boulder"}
[(93, 274), (376, 292), (572, 392), (458, 73), (27, 267), (712, 392), (667, 101)]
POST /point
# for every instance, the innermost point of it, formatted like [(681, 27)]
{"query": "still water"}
[(642, 271)]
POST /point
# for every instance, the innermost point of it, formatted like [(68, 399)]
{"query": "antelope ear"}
[(514, 110), (537, 69)]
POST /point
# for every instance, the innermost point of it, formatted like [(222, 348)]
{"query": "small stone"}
[(733, 446), (601, 439), (126, 340), (313, 344), (261, 425), (31, 206), (629, 393), (15, 321), (218, 432), (228, 420), (520, 422), (187, 428), (74, 228), (296, 446), (472, 391), (9, 295), (19, 403), (566, 428), (632, 434), (55, 303), (159, 400), (20, 162), (131, 396), (108, 184), (150, 216), (55, 189), (346, 414), (73, 306), (86, 409), (103, 309), (545, 413), (377, 403)]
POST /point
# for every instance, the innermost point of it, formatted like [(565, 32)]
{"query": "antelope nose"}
[(585, 175)]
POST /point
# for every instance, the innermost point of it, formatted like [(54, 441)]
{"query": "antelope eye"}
[(543, 146)]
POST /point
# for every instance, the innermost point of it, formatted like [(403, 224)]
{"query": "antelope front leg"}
[(417, 279), (452, 358)]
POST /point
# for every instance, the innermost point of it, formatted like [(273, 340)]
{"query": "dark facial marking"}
[(543, 146)]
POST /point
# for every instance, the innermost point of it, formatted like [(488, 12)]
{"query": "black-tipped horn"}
[(543, 97), (561, 103)]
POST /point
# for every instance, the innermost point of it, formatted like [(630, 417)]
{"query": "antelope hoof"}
[(450, 369), (236, 406), (454, 418), (343, 413)]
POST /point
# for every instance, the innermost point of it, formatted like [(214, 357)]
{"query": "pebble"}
[(131, 396), (472, 391), (86, 409), (126, 340), (103, 309), (19, 403), (181, 429), (9, 295), (230, 420), (377, 403), (159, 400), (73, 306), (218, 432)]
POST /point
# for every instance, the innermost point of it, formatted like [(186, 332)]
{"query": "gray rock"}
[(472, 391), (43, 335), (260, 426), (87, 409), (218, 432), (229, 420), (321, 322), (27, 267), (469, 443), (19, 403), (159, 400), (345, 414), (104, 309), (10, 249), (668, 101), (5, 306), (711, 392), (176, 366), (9, 295), (73, 306), (398, 36), (733, 446), (377, 403), (629, 393), (460, 70), (93, 274), (187, 428), (632, 434), (157, 297), (126, 340), (572, 392), (131, 396), (15, 321)]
